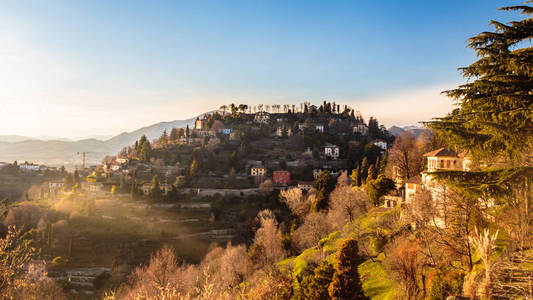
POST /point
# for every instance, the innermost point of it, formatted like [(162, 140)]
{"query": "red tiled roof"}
[(441, 152)]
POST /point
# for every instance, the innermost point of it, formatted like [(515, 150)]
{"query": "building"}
[(332, 151), (361, 128), (438, 160), (319, 128), (280, 130), (301, 127), (444, 159), (27, 167), (381, 144), (200, 124), (305, 185), (54, 186), (146, 188), (225, 131), (257, 171), (412, 185), (281, 177), (95, 187), (262, 117)]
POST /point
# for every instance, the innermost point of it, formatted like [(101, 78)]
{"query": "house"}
[(381, 144), (121, 160), (332, 172), (95, 187), (200, 123), (412, 185), (444, 159), (319, 128), (332, 151), (282, 177), (165, 188), (360, 128), (27, 167), (280, 131), (55, 186), (262, 117), (305, 185), (225, 131), (438, 160), (301, 127), (257, 171), (146, 188)]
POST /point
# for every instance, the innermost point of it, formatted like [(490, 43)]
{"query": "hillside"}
[(60, 152)]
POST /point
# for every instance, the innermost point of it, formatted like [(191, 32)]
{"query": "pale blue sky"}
[(78, 68)]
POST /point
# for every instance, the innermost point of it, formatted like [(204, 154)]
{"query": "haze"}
[(99, 68)]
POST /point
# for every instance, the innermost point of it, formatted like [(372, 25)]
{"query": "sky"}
[(75, 69)]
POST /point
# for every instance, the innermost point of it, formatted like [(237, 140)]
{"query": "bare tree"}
[(346, 204), (406, 155), (267, 241), (484, 243), (314, 228), (297, 202)]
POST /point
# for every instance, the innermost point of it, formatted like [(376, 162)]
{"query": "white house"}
[(332, 151), (438, 160), (319, 128), (361, 128), (26, 167), (262, 117)]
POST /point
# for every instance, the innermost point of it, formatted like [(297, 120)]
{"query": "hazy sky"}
[(73, 69)]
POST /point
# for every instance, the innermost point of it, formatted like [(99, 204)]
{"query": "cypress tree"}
[(346, 283), (317, 289)]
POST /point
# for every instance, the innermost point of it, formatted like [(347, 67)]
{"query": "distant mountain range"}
[(64, 152), (415, 130)]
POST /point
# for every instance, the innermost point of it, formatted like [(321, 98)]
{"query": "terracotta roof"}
[(441, 152)]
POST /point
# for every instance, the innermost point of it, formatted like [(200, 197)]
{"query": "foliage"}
[(346, 283), (379, 187)]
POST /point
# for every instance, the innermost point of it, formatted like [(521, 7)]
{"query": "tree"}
[(267, 242), (317, 287), (325, 183), (155, 190), (146, 151), (174, 134), (378, 187), (68, 182), (354, 177), (494, 122), (346, 283), (406, 155), (346, 204), (164, 138), (405, 265), (193, 169)]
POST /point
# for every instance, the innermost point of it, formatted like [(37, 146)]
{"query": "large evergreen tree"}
[(346, 283), (494, 118)]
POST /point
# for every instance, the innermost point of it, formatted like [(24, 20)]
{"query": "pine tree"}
[(346, 283), (494, 120)]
